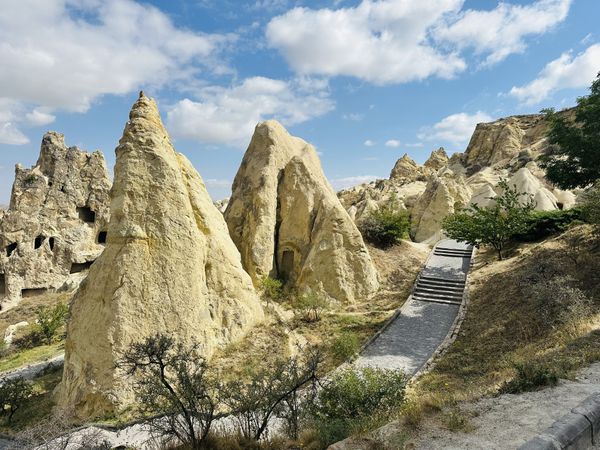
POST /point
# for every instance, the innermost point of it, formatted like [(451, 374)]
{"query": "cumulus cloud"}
[(347, 182), (218, 183), (456, 128), (567, 71), (381, 41), (228, 115), (392, 143), (64, 54), (369, 143), (396, 41), (501, 31)]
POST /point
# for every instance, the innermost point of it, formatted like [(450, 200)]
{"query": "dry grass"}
[(502, 326)]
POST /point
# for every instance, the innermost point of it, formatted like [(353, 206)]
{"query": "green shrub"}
[(345, 345), (386, 226), (50, 320), (311, 306), (530, 377), (13, 393), (541, 224), (590, 208), (271, 288), (353, 396)]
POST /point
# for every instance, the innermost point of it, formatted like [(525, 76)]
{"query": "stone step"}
[(441, 290), (430, 293), (443, 286), (433, 300), (438, 296), (452, 254), (443, 280), (470, 250)]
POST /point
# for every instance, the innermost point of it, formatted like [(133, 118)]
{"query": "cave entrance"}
[(86, 214), (51, 243), (287, 264), (10, 249), (80, 267), (38, 242), (25, 293), (2, 284), (102, 237)]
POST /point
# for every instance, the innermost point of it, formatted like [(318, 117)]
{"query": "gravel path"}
[(414, 335)]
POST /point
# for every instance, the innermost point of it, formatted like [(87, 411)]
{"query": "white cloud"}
[(397, 41), (346, 182), (415, 145), (567, 71), (228, 115), (218, 183), (392, 143), (501, 31), (10, 134), (354, 117), (379, 41), (37, 117), (456, 128), (369, 143), (64, 54)]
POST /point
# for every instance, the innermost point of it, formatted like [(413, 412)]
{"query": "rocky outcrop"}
[(406, 170), (54, 227), (169, 267), (524, 182), (443, 195), (288, 223), (437, 160)]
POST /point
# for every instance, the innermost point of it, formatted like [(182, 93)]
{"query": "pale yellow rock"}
[(57, 210), (437, 160), (287, 222), (169, 267), (484, 196), (406, 170), (524, 181), (442, 196)]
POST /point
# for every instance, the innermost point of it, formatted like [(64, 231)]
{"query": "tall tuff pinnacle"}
[(169, 267)]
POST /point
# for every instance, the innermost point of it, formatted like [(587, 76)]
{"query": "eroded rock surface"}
[(288, 223), (169, 267), (53, 228)]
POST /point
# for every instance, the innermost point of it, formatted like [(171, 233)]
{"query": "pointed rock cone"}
[(169, 267), (288, 223)]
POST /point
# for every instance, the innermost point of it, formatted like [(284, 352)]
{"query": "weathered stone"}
[(526, 183), (406, 170), (437, 159), (57, 212), (288, 223), (169, 267)]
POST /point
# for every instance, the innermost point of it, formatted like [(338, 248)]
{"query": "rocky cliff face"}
[(504, 149), (288, 223), (169, 267), (55, 225)]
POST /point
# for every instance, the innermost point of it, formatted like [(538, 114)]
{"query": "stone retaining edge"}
[(576, 430)]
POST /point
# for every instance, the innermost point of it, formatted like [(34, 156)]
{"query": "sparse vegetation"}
[(13, 394), (345, 345), (494, 225), (271, 288), (311, 306), (386, 226), (529, 377), (50, 320), (591, 206)]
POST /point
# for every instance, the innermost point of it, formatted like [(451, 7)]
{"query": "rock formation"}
[(437, 160), (55, 225), (169, 266), (406, 171), (288, 223)]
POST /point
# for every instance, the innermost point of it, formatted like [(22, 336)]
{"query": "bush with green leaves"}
[(271, 288), (590, 207), (530, 377), (311, 306), (50, 320), (386, 226), (13, 393), (493, 225), (345, 345), (353, 396), (541, 224)]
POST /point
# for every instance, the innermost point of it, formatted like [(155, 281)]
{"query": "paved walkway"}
[(427, 316)]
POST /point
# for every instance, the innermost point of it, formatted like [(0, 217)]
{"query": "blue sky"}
[(364, 81)]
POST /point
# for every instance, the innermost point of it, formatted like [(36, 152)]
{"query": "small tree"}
[(574, 159), (493, 225), (172, 380), (13, 393), (386, 226), (591, 206), (311, 306), (50, 320), (271, 288), (273, 388)]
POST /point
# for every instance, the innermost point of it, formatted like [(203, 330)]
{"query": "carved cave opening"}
[(34, 292), (2, 284), (287, 264), (102, 237), (560, 205), (86, 214), (51, 243), (39, 241), (10, 249), (80, 267)]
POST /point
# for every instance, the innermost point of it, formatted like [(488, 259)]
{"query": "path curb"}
[(577, 430)]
